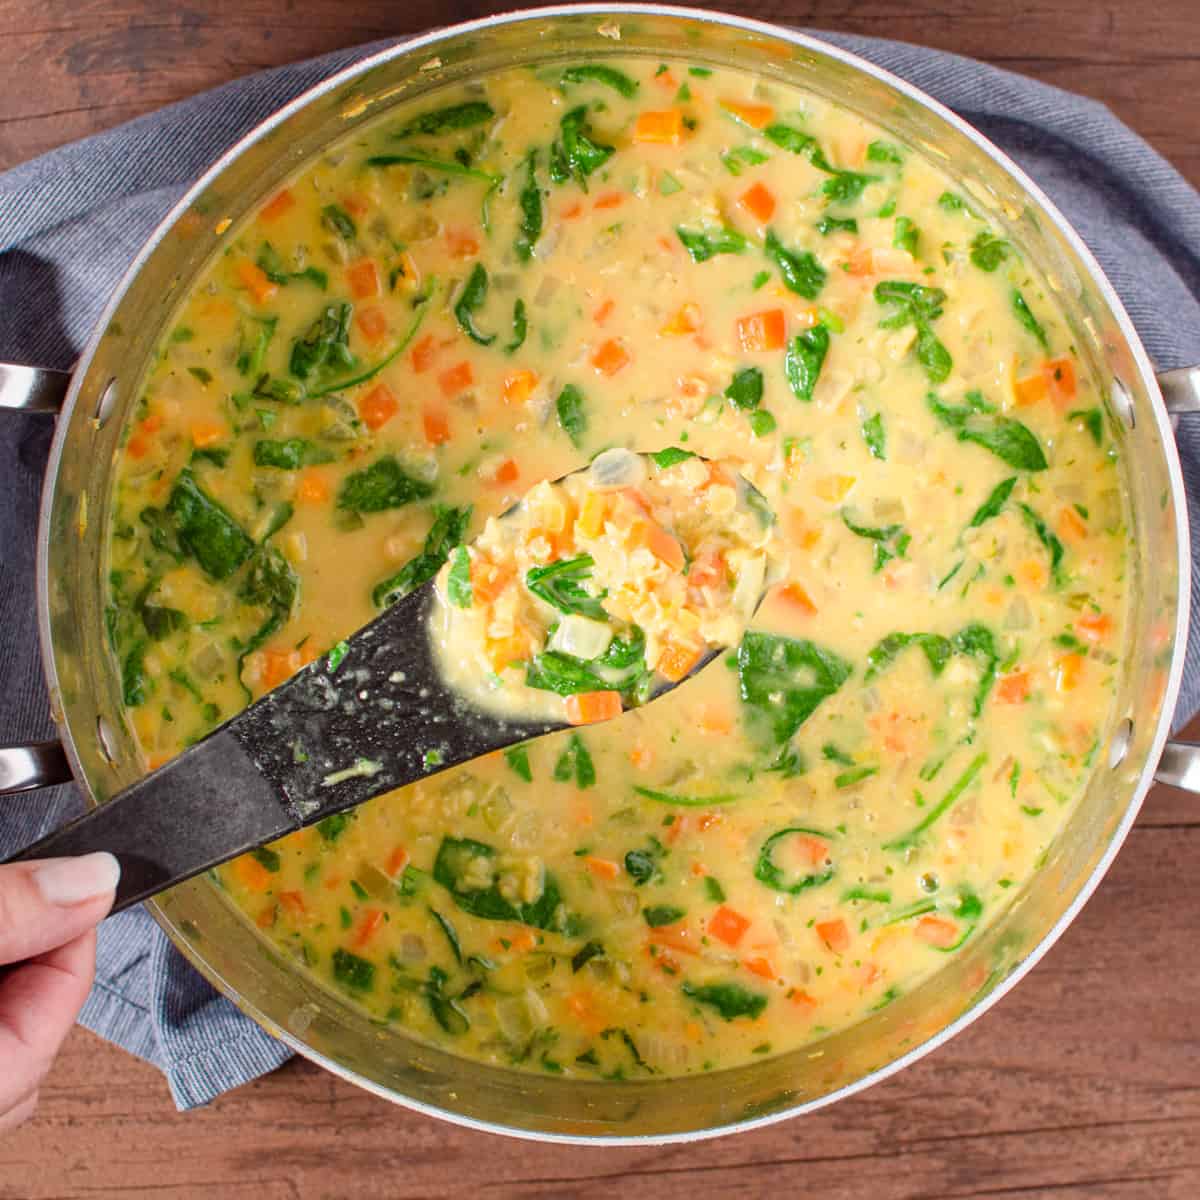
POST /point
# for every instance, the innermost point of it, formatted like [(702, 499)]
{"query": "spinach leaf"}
[(1048, 539), (289, 455), (445, 1009), (458, 582), (554, 671), (1025, 315), (353, 972), (560, 584), (915, 304), (952, 203), (746, 389), (988, 251), (736, 160), (805, 356), (977, 422), (884, 152), (913, 836), (783, 680), (575, 152), (787, 137), (906, 235), (470, 300), (662, 914), (584, 955), (267, 858), (891, 541), (731, 1000), (447, 531), (462, 862), (338, 221), (384, 484), (670, 456), (332, 827), (1092, 420), (271, 264), (530, 201), (517, 758), (801, 271), (205, 530), (575, 762), (254, 337), (686, 801), (828, 225), (875, 436), (270, 581), (160, 621), (937, 651), (445, 166), (775, 877), (996, 500), (325, 347), (702, 245), (571, 415), (642, 865), (598, 73), (446, 120), (133, 675), (520, 326)]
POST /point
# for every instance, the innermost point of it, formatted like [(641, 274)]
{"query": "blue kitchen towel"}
[(71, 221)]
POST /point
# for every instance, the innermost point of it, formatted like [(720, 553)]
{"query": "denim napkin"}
[(71, 221)]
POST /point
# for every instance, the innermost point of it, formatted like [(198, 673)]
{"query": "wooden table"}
[(1085, 1082)]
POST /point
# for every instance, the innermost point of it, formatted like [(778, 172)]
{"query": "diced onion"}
[(749, 586), (581, 636), (617, 468)]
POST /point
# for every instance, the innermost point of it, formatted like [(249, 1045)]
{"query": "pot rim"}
[(1046, 208)]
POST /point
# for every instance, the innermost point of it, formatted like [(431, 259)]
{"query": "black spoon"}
[(371, 715)]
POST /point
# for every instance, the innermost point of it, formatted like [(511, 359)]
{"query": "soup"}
[(487, 289)]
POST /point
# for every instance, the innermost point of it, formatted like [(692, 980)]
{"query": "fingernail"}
[(73, 880)]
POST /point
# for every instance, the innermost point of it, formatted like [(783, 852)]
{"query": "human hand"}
[(48, 914)]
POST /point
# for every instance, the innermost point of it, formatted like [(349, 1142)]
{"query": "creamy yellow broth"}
[(671, 257)]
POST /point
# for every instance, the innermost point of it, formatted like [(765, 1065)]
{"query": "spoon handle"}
[(371, 715)]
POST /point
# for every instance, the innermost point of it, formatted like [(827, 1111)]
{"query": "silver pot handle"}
[(36, 764), (1181, 389), (32, 389)]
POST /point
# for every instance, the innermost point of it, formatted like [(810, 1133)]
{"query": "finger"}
[(39, 1001), (19, 1115), (48, 903)]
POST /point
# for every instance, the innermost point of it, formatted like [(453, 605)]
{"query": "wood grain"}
[(1084, 1083)]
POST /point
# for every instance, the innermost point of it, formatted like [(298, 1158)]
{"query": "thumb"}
[(45, 904)]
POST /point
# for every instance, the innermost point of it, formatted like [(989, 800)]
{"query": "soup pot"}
[(98, 747)]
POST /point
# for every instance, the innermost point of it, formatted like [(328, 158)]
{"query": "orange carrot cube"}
[(584, 708), (659, 128), (759, 202), (456, 379), (610, 357), (378, 406), (363, 277), (762, 331)]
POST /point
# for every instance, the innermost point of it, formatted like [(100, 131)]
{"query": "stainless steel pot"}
[(93, 403)]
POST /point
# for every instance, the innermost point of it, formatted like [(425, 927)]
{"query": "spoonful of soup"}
[(597, 592)]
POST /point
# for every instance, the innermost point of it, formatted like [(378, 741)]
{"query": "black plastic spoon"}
[(371, 715)]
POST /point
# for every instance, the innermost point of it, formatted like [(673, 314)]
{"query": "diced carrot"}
[(137, 446), (519, 386), (506, 472), (266, 918), (456, 379), (1032, 572), (583, 1010), (363, 277), (602, 868), (488, 580), (666, 79), (610, 200), (936, 931), (372, 321), (686, 320), (728, 925), (255, 281), (503, 652), (762, 331), (151, 424), (633, 505), (708, 570), (293, 903), (378, 406), (207, 433), (521, 941), (461, 243), (1060, 372), (676, 936), (357, 204), (641, 756), (794, 595), (759, 202), (834, 935), (584, 708), (676, 661), (436, 424), (251, 873), (1094, 627), (572, 211), (1071, 526), (610, 357), (423, 353), (1013, 688), (760, 967), (861, 262), (278, 666), (274, 208), (713, 718), (658, 541), (604, 312), (803, 1001), (1031, 389), (1070, 672), (663, 128), (592, 513), (397, 861), (312, 487), (367, 927), (757, 116)]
